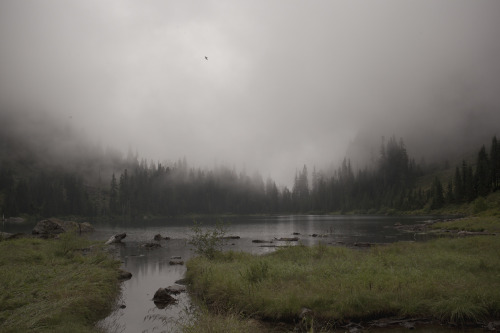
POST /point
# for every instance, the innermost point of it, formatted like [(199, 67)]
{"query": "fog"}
[(283, 84)]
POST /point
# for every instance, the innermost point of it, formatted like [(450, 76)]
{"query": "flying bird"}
[(206, 58)]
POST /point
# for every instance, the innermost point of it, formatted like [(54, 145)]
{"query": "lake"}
[(151, 270)]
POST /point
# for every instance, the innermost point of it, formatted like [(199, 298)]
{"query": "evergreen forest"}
[(109, 185)]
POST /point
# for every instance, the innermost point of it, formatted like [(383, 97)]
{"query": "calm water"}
[(151, 269)]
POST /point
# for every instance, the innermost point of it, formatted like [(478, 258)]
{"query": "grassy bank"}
[(52, 286), (450, 280)]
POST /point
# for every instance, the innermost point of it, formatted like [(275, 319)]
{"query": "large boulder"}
[(48, 227), (162, 298)]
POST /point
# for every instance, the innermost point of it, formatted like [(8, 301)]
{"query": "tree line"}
[(158, 189)]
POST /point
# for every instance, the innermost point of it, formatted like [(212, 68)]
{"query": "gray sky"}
[(286, 82)]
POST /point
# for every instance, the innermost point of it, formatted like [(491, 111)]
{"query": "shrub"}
[(208, 242)]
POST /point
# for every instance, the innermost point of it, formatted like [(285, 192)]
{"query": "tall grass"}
[(50, 286), (452, 280)]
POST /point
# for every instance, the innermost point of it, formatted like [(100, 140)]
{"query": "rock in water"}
[(124, 275), (176, 289), (162, 298), (116, 238)]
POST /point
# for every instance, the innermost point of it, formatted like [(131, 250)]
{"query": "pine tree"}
[(482, 178), (495, 164), (113, 196), (437, 194)]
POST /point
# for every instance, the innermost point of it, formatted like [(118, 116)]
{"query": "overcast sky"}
[(286, 82)]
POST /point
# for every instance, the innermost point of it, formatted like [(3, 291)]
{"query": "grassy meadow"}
[(51, 286), (451, 280)]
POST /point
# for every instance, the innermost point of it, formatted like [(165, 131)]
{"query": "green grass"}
[(49, 286), (490, 224), (451, 280)]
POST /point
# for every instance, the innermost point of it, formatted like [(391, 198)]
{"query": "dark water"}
[(151, 269)]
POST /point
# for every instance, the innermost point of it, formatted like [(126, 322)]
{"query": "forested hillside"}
[(90, 181)]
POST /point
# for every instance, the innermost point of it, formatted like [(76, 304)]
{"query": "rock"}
[(151, 245), (361, 244), (15, 220), (49, 227), (124, 275), (6, 235), (260, 241), (157, 237), (123, 306), (53, 226), (288, 239), (162, 298), (296, 233), (116, 238), (409, 325), (176, 257), (231, 237), (493, 326), (176, 262), (306, 313), (176, 289), (75, 226)]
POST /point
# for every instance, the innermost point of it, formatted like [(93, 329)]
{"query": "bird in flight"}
[(206, 58)]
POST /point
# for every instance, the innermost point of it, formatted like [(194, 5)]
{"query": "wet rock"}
[(51, 227), (48, 227), (15, 220), (296, 233), (176, 262), (362, 244), (306, 313), (116, 238), (159, 237), (258, 241), (124, 275), (231, 237), (162, 298), (493, 326), (408, 324), (176, 289), (7, 236), (288, 239)]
